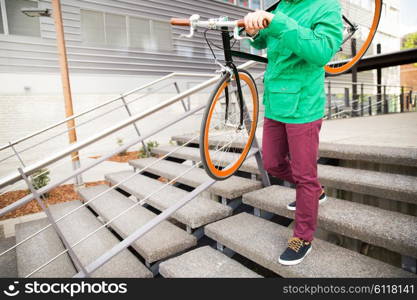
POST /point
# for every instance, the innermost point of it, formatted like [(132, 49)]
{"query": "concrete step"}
[(230, 188), (263, 241), (81, 223), (196, 213), (8, 261), (164, 240), (378, 154), (40, 249), (204, 262), (193, 154), (358, 221), (384, 185)]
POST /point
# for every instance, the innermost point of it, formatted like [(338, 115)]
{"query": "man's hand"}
[(256, 21)]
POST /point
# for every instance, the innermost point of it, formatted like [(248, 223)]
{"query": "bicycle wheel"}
[(224, 144), (367, 20)]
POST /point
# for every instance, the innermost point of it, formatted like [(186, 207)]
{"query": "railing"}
[(125, 103), (358, 99), (26, 171)]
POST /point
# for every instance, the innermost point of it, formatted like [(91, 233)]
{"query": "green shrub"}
[(121, 143), (41, 179), (149, 145)]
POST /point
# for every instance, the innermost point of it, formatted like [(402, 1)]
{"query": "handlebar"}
[(194, 21), (187, 22)]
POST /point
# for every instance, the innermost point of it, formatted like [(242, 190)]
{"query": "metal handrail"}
[(82, 144), (15, 176), (179, 74), (78, 125), (99, 195), (141, 202), (366, 84), (120, 214)]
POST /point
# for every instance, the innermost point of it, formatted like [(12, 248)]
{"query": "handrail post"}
[(370, 105), (354, 82), (129, 112), (402, 100), (182, 100), (362, 100), (379, 82), (347, 97), (329, 100), (386, 108), (410, 100)]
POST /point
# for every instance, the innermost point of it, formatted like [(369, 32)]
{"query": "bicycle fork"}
[(234, 72)]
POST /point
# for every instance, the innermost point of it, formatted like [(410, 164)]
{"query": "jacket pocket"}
[(284, 96)]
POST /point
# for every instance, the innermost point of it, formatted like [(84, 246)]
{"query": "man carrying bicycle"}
[(302, 37)]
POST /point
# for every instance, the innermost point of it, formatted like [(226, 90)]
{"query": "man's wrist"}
[(253, 36)]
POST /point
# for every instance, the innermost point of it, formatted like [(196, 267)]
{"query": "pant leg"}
[(303, 141), (275, 150)]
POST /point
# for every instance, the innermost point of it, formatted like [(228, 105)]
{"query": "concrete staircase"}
[(235, 216), (46, 245), (261, 240)]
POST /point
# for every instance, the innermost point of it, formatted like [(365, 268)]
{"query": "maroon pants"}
[(290, 153)]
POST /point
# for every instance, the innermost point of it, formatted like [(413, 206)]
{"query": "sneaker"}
[(322, 199), (295, 253)]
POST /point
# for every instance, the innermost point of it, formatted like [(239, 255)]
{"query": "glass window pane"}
[(18, 22), (162, 35), (229, 1), (1, 22), (116, 34), (139, 33), (256, 4), (244, 3), (92, 27)]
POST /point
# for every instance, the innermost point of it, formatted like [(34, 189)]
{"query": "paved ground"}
[(395, 130)]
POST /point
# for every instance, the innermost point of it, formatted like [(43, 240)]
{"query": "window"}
[(116, 33), (255, 4), (105, 29), (1, 21), (244, 3), (162, 35), (139, 33), (92, 24), (19, 23)]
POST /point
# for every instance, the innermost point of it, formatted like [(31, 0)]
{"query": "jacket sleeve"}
[(260, 41), (316, 45)]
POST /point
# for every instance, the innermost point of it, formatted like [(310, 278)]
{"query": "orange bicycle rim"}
[(254, 120), (361, 52)]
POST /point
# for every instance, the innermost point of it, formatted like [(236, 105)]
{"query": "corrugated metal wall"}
[(31, 54)]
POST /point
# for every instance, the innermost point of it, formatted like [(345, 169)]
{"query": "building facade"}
[(126, 42), (117, 40)]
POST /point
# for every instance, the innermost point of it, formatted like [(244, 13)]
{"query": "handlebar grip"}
[(241, 23), (180, 22)]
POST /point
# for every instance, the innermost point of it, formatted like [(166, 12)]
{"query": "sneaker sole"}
[(294, 262), (294, 208)]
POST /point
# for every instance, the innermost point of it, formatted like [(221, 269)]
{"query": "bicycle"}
[(231, 116)]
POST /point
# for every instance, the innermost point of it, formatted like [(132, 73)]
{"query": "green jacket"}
[(301, 39)]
